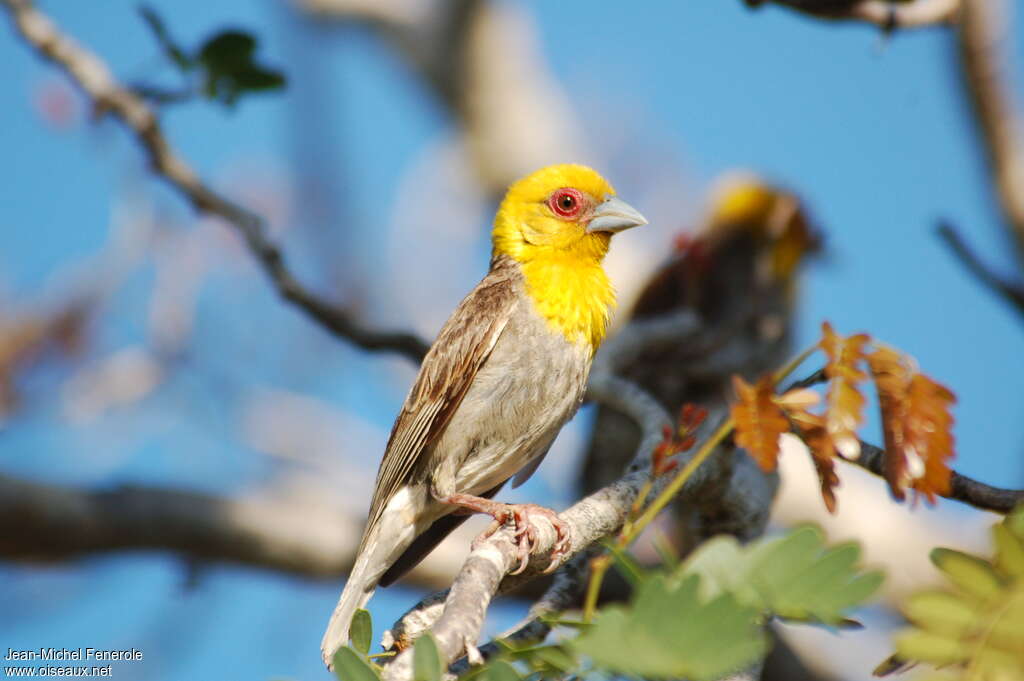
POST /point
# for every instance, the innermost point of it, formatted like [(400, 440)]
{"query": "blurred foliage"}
[(975, 625), (915, 410), (223, 68), (701, 620), (794, 576), (361, 631)]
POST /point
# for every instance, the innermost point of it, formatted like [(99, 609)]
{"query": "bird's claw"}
[(526, 533)]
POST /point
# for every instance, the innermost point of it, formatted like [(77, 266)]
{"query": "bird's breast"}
[(531, 384)]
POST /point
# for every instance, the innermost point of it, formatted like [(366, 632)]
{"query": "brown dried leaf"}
[(844, 410), (892, 378), (823, 455), (929, 435), (916, 424), (680, 439), (759, 421)]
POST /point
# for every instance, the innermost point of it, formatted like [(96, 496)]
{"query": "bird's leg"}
[(519, 515)]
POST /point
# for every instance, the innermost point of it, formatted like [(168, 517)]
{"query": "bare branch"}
[(646, 335), (980, 38), (963, 489), (43, 522), (1011, 291), (92, 76), (484, 63), (883, 13)]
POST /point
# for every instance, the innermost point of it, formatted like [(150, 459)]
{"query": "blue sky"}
[(873, 134)]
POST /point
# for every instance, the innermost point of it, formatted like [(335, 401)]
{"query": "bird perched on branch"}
[(507, 370), (738, 274)]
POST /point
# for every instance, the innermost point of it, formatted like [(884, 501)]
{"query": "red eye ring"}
[(566, 202)]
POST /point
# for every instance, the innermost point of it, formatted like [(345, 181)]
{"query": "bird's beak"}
[(614, 215)]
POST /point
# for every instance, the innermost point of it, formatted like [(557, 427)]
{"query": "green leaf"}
[(177, 55), (255, 78), (350, 666), (426, 660), (500, 670), (1014, 522), (360, 631), (1009, 550), (227, 51), (943, 613), (979, 621), (227, 59), (930, 647), (670, 632), (556, 658), (794, 576), (973, 576), (543, 658)]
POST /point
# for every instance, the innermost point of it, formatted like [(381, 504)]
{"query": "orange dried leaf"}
[(759, 421), (844, 410), (916, 425), (892, 379), (929, 436), (823, 456), (798, 400)]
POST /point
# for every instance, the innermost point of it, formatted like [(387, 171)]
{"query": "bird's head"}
[(563, 211)]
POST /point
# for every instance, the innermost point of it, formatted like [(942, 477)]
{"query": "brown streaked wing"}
[(461, 348)]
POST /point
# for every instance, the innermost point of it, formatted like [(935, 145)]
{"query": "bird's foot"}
[(525, 531)]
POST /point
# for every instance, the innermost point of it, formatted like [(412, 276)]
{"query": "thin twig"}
[(93, 77), (883, 13), (1012, 292), (980, 39), (962, 488)]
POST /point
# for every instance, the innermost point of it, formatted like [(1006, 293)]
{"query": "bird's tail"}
[(383, 543)]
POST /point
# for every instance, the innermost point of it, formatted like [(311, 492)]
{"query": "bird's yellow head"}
[(557, 224)]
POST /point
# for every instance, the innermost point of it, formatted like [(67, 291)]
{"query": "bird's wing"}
[(527, 471), (461, 348)]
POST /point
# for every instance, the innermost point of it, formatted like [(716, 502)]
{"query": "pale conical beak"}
[(615, 215)]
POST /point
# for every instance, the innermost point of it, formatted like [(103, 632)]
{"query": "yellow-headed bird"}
[(738, 273), (507, 370)]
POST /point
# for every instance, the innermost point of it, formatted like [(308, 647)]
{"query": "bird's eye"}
[(566, 202)]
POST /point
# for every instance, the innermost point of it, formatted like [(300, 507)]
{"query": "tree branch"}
[(979, 40), (484, 63), (963, 489), (92, 76), (45, 522), (1011, 291), (887, 15)]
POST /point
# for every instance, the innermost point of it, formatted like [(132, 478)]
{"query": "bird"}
[(739, 275), (507, 370)]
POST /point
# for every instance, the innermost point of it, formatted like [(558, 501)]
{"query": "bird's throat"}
[(573, 295)]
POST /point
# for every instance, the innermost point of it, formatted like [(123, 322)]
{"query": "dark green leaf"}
[(227, 59), (361, 631), (426, 661), (256, 78), (350, 666), (227, 51)]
